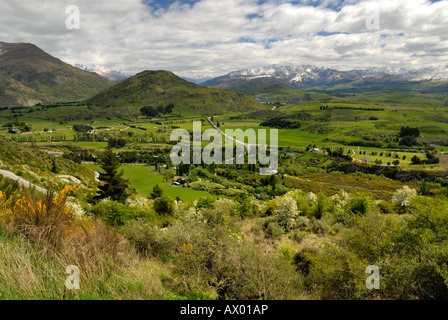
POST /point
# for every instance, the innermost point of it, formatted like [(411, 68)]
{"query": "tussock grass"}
[(39, 239)]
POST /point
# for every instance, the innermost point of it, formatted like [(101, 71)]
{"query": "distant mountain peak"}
[(198, 79), (104, 71)]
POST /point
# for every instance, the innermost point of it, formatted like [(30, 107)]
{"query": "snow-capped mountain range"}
[(311, 75), (292, 74), (427, 74), (376, 70), (104, 71), (300, 75), (198, 79)]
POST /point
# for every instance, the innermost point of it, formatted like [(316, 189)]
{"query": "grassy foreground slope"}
[(296, 246)]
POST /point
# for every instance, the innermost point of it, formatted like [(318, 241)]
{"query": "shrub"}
[(416, 160), (222, 209), (113, 212), (116, 213), (42, 221), (402, 197), (77, 209), (270, 207), (302, 262), (298, 235), (318, 226), (359, 204), (312, 197), (386, 207), (410, 252), (204, 202), (83, 128), (138, 232), (139, 202), (424, 188), (156, 192), (322, 205), (242, 271), (430, 218), (164, 205), (274, 229), (302, 223), (340, 200), (245, 206), (286, 212)]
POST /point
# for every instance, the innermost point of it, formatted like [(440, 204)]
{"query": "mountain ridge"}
[(160, 88), (51, 79)]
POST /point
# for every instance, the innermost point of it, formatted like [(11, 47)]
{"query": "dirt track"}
[(444, 162)]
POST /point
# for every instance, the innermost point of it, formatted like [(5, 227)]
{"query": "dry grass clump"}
[(39, 239)]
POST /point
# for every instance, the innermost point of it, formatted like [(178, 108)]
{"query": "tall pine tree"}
[(112, 185)]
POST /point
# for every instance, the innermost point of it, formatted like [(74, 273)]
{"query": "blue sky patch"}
[(326, 34), (165, 4)]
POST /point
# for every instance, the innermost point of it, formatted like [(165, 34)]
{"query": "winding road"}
[(27, 184), (21, 181)]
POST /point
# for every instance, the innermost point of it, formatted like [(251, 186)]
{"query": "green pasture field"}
[(143, 179), (401, 97), (404, 164), (329, 128)]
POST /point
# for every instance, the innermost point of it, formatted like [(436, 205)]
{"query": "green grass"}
[(329, 128), (144, 179), (286, 137)]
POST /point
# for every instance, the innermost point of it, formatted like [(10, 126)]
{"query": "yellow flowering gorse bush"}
[(47, 220)]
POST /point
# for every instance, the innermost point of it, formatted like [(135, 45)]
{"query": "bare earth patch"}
[(444, 162)]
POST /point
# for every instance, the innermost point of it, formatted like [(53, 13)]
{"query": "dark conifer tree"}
[(112, 185), (156, 192)]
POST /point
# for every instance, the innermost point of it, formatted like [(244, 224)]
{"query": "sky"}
[(213, 37)]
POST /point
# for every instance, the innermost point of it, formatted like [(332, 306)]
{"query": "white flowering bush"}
[(294, 193), (340, 200), (105, 201), (78, 211), (224, 206), (286, 212), (402, 197), (193, 214), (178, 205), (311, 197), (139, 201)]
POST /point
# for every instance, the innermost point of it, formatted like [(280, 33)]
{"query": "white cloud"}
[(218, 36)]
